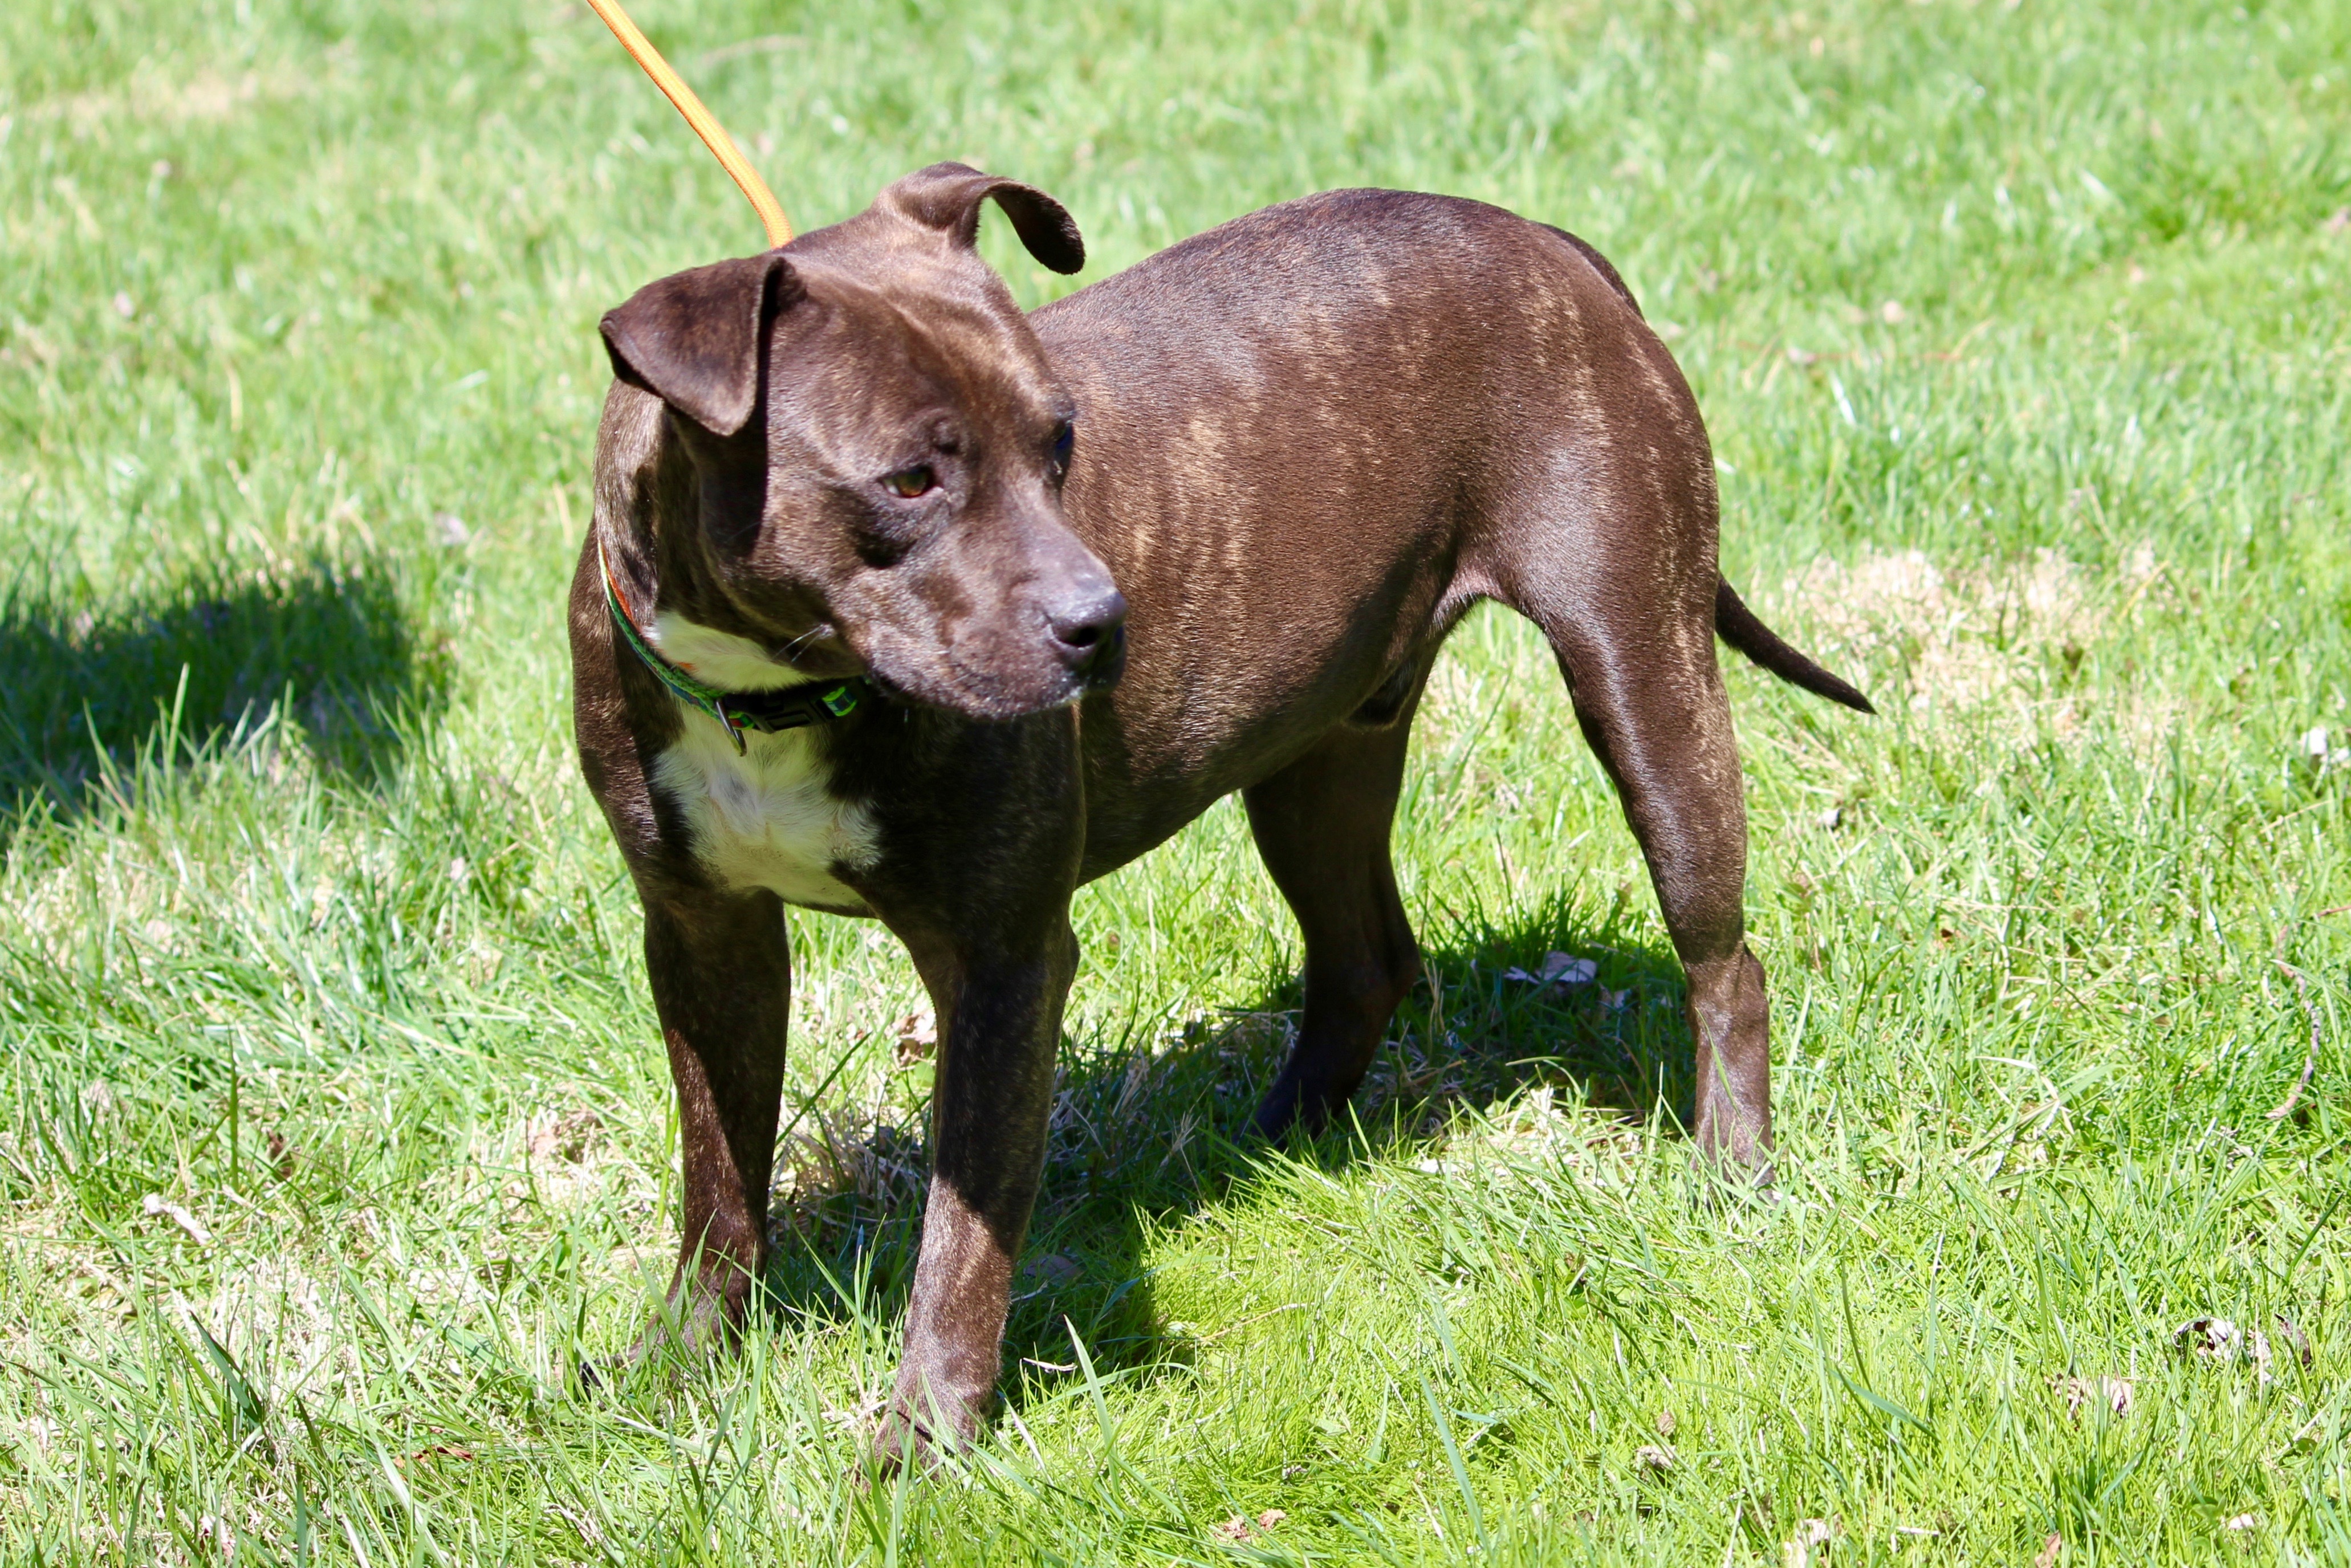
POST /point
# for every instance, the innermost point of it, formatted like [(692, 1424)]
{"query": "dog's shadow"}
[(1147, 1134), (94, 700)]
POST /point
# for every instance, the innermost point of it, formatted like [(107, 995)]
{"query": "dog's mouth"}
[(1030, 653), (978, 689), (888, 690), (1105, 665)]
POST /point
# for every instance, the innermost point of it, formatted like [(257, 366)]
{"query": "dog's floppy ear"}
[(693, 338), (946, 197)]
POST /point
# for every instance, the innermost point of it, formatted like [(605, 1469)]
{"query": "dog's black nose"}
[(1085, 627)]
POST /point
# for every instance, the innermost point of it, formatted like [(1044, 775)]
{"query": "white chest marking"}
[(767, 819)]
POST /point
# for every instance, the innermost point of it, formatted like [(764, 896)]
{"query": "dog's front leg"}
[(999, 1010), (721, 973)]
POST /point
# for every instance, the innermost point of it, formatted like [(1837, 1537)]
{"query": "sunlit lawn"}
[(336, 1129)]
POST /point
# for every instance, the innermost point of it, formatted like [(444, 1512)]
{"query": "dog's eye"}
[(911, 482), (1065, 441)]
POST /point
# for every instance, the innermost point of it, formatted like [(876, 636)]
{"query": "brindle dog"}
[(872, 550)]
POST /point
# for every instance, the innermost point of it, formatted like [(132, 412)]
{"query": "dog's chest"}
[(767, 819)]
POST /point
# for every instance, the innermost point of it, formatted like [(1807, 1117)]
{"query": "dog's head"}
[(878, 446)]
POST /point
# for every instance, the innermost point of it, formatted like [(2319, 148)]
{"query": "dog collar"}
[(766, 711)]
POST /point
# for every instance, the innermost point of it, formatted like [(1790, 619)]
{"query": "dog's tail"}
[(1736, 625)]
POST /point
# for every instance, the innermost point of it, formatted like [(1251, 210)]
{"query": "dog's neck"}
[(733, 709), (669, 594)]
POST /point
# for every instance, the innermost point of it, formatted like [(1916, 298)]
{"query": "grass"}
[(335, 1126)]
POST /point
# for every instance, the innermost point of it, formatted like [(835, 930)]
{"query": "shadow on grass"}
[(1148, 1131), (86, 695)]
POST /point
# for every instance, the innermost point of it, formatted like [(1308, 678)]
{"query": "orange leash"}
[(705, 124)]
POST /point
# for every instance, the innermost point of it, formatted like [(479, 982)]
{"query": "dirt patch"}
[(2008, 641)]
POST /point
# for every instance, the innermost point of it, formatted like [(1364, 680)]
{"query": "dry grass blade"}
[(2310, 1059)]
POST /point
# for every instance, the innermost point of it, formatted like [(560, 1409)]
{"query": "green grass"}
[(2021, 335)]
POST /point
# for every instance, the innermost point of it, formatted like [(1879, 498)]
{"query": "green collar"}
[(766, 711)]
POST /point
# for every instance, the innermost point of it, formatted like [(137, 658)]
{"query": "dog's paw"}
[(1292, 1111), (902, 1446)]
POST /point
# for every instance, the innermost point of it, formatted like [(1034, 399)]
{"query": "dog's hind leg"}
[(1323, 824), (1633, 629)]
